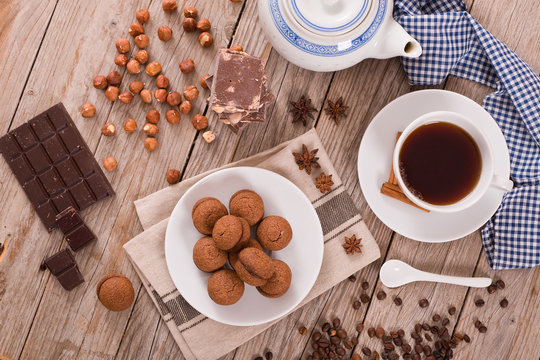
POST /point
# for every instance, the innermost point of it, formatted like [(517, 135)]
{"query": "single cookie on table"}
[(233, 255), (247, 204), (246, 233), (206, 212), (253, 266), (227, 232), (206, 256), (279, 283), (274, 233), (115, 292), (225, 287)]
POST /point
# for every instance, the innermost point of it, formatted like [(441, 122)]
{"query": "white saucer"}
[(375, 162), (303, 254)]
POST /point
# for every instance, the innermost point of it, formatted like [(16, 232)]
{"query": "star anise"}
[(324, 183), (336, 110), (302, 110), (306, 159), (352, 245)]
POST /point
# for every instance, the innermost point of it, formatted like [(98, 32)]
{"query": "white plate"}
[(303, 255), (375, 162)]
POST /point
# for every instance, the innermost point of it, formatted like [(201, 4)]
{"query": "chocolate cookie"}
[(233, 255), (253, 266), (227, 232), (246, 233), (247, 204), (225, 287), (274, 233), (206, 256), (115, 292), (279, 283), (206, 212)]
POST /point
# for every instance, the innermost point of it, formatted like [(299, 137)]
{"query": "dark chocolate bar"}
[(53, 164), (63, 266), (75, 230)]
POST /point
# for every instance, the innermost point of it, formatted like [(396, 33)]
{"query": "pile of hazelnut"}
[(180, 103)]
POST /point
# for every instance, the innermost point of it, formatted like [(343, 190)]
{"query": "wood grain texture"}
[(43, 65)]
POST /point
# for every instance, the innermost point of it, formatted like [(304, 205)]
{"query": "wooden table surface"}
[(50, 51)]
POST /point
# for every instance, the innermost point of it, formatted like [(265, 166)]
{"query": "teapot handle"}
[(395, 41)]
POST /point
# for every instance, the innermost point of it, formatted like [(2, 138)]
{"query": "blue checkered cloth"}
[(454, 43)]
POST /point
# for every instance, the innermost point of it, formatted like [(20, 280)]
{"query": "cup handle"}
[(502, 183)]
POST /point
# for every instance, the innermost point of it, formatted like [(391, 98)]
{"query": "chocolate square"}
[(60, 261), (68, 219), (23, 171), (54, 149), (41, 126), (75, 230), (68, 171), (70, 278), (51, 182), (24, 137), (63, 200), (37, 159)]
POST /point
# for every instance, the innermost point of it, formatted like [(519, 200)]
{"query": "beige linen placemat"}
[(338, 216)]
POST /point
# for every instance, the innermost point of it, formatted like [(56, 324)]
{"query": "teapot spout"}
[(396, 42)]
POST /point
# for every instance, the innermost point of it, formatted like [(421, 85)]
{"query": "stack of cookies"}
[(232, 255)]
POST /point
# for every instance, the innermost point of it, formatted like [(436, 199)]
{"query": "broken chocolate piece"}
[(75, 230), (63, 266)]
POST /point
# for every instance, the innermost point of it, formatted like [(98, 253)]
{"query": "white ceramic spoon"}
[(396, 273)]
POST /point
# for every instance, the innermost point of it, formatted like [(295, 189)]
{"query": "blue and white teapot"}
[(330, 35)]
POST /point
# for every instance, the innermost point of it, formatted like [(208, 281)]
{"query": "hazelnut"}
[(108, 129), (173, 176), (100, 82), (136, 29), (153, 68), (173, 116), (191, 12), (169, 6), (203, 25), (150, 129), (187, 66), (136, 86), (121, 60), (130, 125), (114, 78), (110, 163), (237, 48), (189, 24), (162, 81), (152, 116), (112, 93), (174, 98), (150, 143), (126, 97), (200, 122), (203, 81), (185, 107), (206, 39), (209, 136), (142, 41), (146, 96), (88, 110), (142, 16), (191, 92), (133, 67), (160, 95), (164, 33), (122, 45), (141, 56)]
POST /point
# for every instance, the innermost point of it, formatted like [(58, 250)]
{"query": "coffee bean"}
[(434, 329), (302, 330), (482, 329), (500, 284), (466, 338), (365, 285), (316, 336), (406, 347), (259, 358), (389, 346), (348, 344), (335, 340), (352, 278), (418, 348), (315, 346), (341, 351), (364, 298), (356, 357), (477, 324), (479, 303), (423, 303), (366, 351), (356, 305), (491, 288), (376, 355), (371, 332), (425, 326), (354, 340), (407, 356), (381, 295), (326, 327), (418, 328), (323, 343), (336, 323), (393, 356), (269, 355), (431, 357), (428, 337), (452, 310), (401, 333), (416, 357), (436, 317), (458, 336), (427, 350), (398, 342), (379, 332), (359, 327), (341, 333), (446, 321), (504, 303), (398, 301)]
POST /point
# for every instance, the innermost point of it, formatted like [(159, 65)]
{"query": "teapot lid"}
[(329, 17)]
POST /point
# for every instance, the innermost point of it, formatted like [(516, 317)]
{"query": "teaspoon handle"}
[(477, 282)]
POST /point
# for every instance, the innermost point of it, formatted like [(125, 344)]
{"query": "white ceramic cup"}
[(487, 177)]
